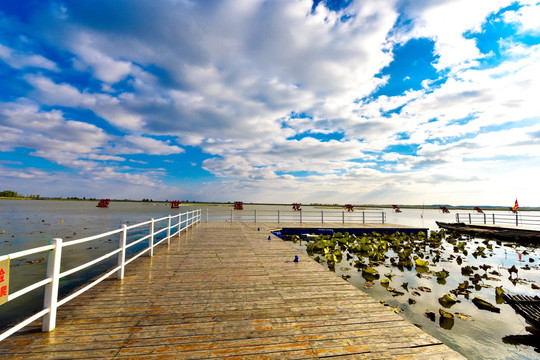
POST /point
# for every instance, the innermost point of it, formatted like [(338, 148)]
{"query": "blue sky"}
[(357, 101)]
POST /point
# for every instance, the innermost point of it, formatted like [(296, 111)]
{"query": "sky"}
[(280, 101)]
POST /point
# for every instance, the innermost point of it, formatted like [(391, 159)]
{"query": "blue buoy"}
[(258, 229), (269, 237), (296, 259)]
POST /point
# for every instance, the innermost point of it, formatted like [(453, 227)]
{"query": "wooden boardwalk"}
[(223, 291)]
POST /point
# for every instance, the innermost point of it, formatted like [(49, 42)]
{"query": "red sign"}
[(4, 280)]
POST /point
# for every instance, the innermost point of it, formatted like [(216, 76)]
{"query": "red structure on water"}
[(445, 210), (349, 207), (296, 207), (104, 203), (175, 204), (238, 205), (396, 208), (478, 210)]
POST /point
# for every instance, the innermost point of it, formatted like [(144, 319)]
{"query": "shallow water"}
[(486, 336)]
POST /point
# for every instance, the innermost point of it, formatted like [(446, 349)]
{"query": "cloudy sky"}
[(351, 101)]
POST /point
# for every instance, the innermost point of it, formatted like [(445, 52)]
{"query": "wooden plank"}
[(222, 290)]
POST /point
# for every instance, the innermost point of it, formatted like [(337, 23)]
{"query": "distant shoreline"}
[(317, 205)]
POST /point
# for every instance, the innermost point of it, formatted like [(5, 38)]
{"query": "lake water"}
[(27, 224)]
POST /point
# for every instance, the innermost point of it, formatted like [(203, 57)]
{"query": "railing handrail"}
[(51, 282), (517, 219), (329, 215)]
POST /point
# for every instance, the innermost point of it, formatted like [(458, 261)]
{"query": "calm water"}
[(29, 224)]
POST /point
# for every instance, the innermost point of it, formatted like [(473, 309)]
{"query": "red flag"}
[(516, 206)]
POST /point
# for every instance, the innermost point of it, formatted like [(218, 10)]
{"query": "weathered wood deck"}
[(223, 291)]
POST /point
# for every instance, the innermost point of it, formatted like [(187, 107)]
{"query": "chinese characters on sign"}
[(4, 280)]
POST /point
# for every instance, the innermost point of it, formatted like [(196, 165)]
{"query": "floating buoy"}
[(269, 237), (296, 259), (258, 229), (61, 221)]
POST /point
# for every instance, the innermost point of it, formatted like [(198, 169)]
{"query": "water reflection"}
[(532, 339)]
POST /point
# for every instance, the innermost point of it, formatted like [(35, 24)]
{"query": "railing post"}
[(363, 217), (485, 222), (322, 216), (493, 218), (343, 217), (122, 254), (151, 239), (51, 289), (517, 221), (183, 222), (383, 217), (169, 221), (232, 215), (470, 220), (278, 216), (255, 212), (457, 217), (206, 215), (300, 216)]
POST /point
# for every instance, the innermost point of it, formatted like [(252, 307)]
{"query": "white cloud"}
[(20, 60), (77, 145), (446, 22), (105, 68), (526, 17), (145, 145), (106, 106)]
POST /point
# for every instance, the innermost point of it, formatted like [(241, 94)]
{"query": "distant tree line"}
[(14, 194)]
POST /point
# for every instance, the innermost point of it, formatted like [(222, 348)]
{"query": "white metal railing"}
[(517, 219), (171, 226), (296, 216)]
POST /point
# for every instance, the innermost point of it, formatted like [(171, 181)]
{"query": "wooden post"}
[(51, 289)]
